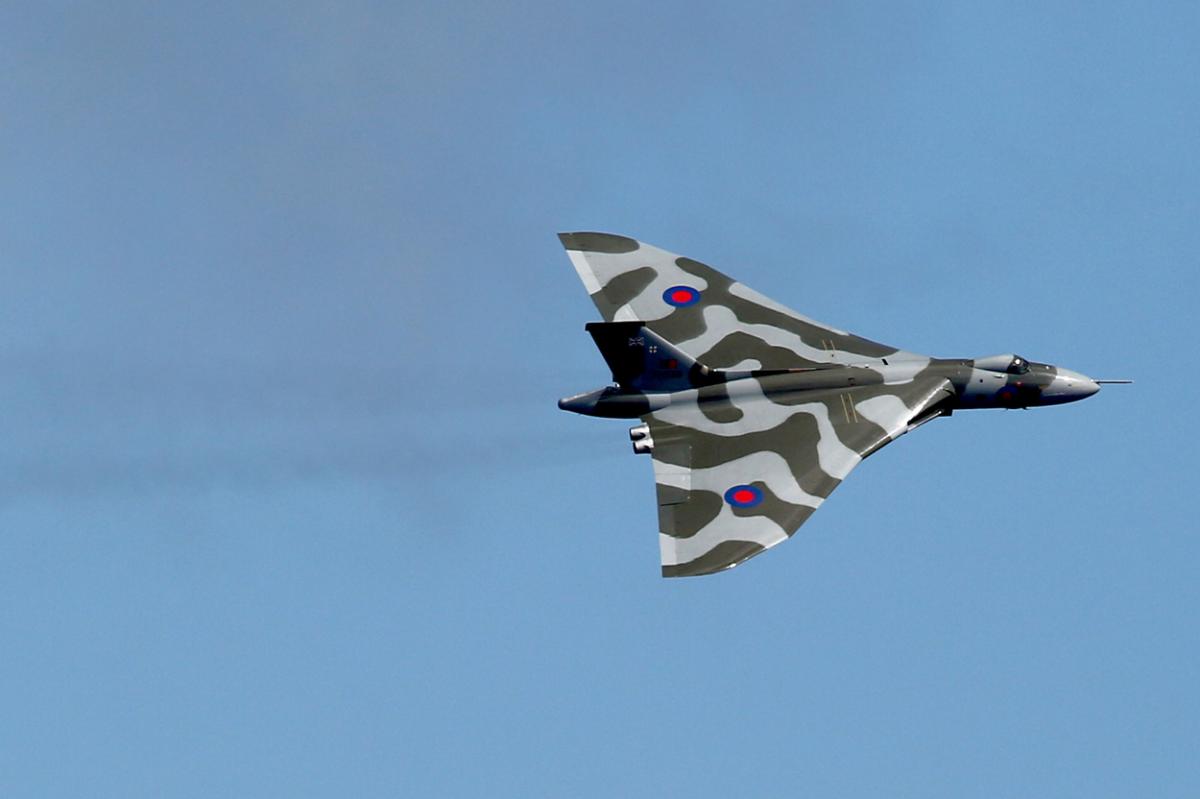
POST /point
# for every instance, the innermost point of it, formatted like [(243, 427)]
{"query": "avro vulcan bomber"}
[(752, 413)]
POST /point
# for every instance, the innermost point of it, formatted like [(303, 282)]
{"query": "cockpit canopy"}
[(1012, 364)]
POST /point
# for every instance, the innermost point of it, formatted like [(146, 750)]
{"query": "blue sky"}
[(286, 506)]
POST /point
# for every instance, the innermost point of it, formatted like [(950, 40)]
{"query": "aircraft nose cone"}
[(1078, 384), (1069, 386)]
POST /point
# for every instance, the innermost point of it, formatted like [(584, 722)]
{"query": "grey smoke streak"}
[(73, 425), (267, 466)]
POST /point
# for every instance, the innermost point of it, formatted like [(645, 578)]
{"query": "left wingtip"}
[(598, 242)]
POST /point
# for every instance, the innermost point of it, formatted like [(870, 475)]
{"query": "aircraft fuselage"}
[(994, 382)]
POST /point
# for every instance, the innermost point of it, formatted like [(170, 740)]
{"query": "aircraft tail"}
[(641, 360)]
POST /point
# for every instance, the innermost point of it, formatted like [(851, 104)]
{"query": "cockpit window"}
[(1011, 364)]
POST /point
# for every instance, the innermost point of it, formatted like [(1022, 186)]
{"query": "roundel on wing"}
[(744, 496), (681, 296)]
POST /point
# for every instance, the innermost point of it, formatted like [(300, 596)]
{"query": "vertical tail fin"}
[(641, 360)]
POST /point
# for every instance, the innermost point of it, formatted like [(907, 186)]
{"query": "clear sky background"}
[(286, 505)]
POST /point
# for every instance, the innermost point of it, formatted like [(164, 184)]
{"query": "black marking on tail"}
[(641, 360)]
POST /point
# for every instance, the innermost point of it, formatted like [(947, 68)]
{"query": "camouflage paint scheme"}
[(754, 414)]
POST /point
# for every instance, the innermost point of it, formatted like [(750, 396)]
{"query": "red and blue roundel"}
[(681, 296), (744, 496)]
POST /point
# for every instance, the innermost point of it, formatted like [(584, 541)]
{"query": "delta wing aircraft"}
[(752, 413)]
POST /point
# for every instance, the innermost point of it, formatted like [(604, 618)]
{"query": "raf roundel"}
[(744, 496), (681, 296)]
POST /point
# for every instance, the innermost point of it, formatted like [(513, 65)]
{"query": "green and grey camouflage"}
[(752, 413)]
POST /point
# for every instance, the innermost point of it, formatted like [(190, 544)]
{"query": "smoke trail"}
[(146, 430)]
